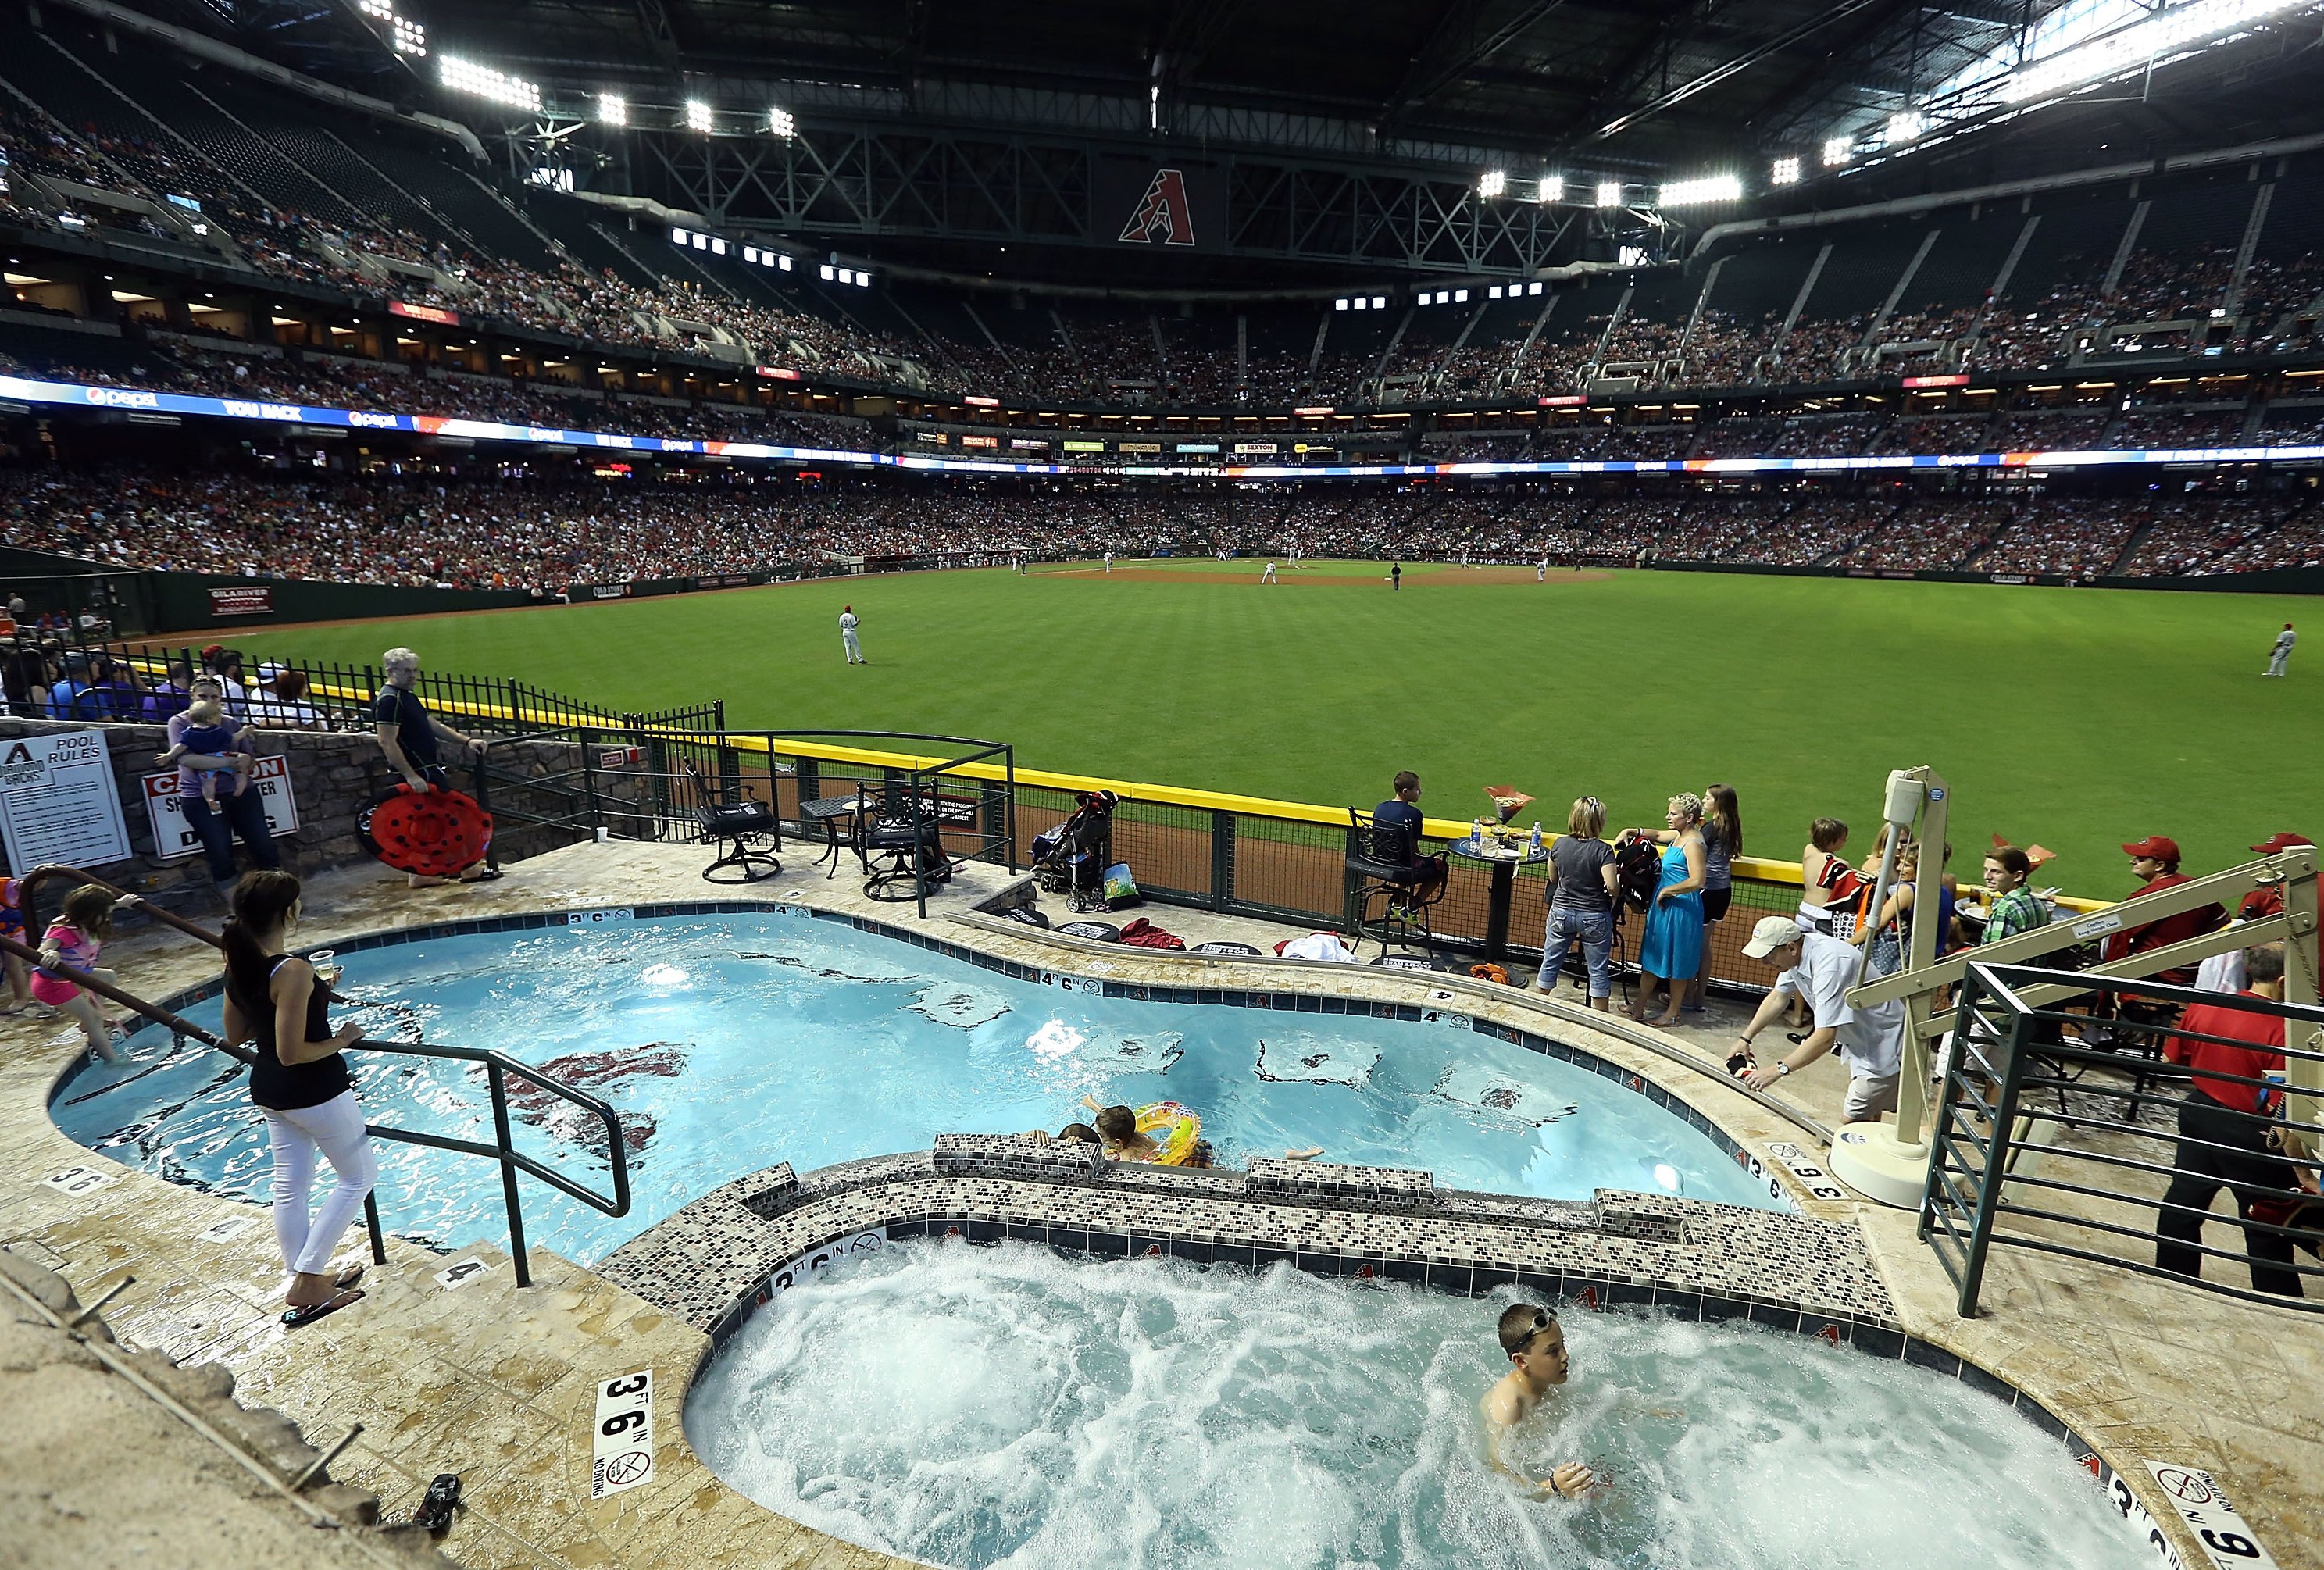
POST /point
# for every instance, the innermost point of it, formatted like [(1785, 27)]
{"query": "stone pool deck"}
[(499, 1384)]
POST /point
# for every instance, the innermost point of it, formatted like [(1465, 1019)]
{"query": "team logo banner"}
[(1171, 207)]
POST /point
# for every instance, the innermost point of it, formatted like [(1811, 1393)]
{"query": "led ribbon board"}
[(75, 394)]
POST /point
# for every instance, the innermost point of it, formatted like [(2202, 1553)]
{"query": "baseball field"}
[(2077, 718)]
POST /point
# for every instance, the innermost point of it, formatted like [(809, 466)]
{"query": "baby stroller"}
[(1071, 859)]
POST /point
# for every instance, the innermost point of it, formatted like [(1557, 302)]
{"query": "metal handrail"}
[(498, 1066), (1990, 1034)]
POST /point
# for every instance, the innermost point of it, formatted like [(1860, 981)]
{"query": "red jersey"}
[(2263, 1054), (2171, 929)]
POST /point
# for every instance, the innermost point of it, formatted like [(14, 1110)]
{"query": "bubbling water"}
[(1004, 1406)]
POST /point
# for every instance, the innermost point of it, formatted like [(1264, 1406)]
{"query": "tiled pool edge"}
[(774, 1229), (1784, 1185)]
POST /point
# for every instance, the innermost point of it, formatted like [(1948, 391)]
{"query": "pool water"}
[(730, 1043), (982, 1406)]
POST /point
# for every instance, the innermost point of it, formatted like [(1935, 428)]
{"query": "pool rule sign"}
[(56, 801), (623, 1441)]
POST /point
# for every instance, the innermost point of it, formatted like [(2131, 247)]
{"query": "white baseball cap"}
[(1770, 933)]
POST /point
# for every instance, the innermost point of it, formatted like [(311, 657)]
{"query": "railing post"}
[(1996, 1164), (371, 1221), (484, 800), (508, 1172), (589, 779), (1222, 861)]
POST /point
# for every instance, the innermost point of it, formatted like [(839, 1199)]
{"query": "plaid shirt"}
[(2012, 913)]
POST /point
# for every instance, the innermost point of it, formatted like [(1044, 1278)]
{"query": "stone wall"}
[(333, 774)]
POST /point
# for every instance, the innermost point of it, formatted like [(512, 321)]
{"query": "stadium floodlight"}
[(863, 279), (697, 115), (784, 261), (1534, 287), (1340, 303), (1361, 304), (1784, 171), (825, 271), (1494, 292), (1630, 256), (2164, 36), (1838, 149), (1610, 193), (1551, 189), (406, 36), (677, 235), (383, 9), (1495, 182), (1710, 188), (1459, 297), (1379, 302), (613, 109), (1904, 126), (464, 76), (782, 123), (1444, 297)]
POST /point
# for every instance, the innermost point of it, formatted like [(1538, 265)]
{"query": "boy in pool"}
[(1117, 1130), (1535, 1345)]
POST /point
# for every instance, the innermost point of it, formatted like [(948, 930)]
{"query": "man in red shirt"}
[(2225, 1112), (2154, 862)]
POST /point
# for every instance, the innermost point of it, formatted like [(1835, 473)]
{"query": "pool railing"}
[(498, 1066)]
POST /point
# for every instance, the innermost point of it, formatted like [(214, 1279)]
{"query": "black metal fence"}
[(2065, 1127)]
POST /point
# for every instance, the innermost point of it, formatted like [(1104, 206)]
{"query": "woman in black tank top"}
[(301, 1085)]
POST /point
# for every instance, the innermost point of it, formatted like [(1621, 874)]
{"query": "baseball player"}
[(847, 636)]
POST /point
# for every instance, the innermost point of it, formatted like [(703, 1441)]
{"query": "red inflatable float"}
[(434, 834)]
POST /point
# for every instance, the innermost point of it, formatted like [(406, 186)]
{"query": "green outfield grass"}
[(2077, 717)]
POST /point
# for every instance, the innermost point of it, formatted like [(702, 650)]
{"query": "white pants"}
[(336, 1129), (1269, 576), (854, 650), (2275, 662)]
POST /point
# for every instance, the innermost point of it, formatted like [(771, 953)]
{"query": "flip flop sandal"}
[(347, 1278), (308, 1312), (486, 876)]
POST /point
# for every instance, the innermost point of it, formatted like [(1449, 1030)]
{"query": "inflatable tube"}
[(434, 834), (1172, 1127)]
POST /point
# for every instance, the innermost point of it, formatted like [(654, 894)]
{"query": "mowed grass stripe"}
[(2077, 717)]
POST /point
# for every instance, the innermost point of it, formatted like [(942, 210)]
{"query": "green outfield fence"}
[(1278, 861)]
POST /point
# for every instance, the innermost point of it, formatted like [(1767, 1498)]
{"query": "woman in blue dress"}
[(1673, 950)]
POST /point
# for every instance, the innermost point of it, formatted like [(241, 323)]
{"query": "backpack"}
[(1638, 866)]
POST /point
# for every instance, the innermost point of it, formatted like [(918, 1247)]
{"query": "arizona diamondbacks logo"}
[(1165, 211)]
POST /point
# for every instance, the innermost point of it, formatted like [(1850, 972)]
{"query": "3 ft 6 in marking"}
[(621, 1446)]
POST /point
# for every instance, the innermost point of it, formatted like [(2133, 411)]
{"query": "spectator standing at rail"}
[(1672, 950), (2222, 1143), (1819, 969), (2224, 972), (2281, 652), (1722, 842), (169, 696), (407, 735), (1826, 880), (847, 623), (1583, 888), (300, 1082)]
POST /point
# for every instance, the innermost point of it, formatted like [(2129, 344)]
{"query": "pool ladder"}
[(499, 1068)]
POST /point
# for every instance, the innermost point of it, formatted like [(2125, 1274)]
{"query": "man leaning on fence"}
[(2222, 1140)]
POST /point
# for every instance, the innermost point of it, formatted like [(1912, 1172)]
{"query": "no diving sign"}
[(2217, 1524), (623, 1443)]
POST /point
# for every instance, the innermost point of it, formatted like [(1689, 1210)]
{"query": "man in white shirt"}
[(847, 636), (1109, 561), (2282, 652), (1819, 969)]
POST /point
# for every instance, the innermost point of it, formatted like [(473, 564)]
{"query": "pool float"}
[(434, 834), (1172, 1127)]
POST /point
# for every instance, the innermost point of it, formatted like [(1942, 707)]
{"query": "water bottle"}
[(1533, 846), (1477, 831)]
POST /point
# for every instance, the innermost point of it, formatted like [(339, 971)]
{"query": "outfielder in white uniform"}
[(847, 636), (1269, 576), (2282, 652)]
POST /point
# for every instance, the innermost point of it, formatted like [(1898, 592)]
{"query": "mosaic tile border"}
[(1780, 1184)]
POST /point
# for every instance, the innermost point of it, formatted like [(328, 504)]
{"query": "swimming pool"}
[(977, 1406), (730, 1042)]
